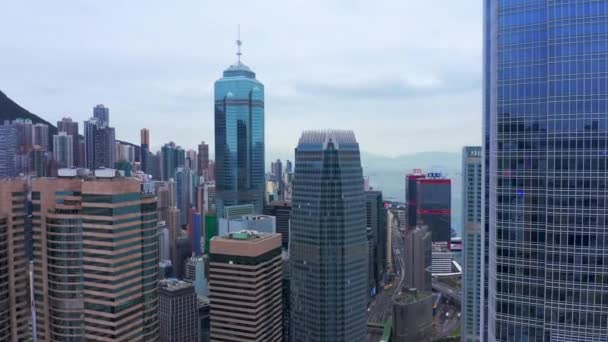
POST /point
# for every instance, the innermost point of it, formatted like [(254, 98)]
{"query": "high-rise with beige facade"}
[(95, 259), (245, 277), (14, 304)]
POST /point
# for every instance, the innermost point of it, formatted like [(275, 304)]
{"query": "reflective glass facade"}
[(239, 139), (328, 242), (548, 120)]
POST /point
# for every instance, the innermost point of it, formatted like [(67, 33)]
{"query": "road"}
[(380, 307), (453, 293)]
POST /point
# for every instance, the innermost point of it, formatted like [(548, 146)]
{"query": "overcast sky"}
[(404, 75)]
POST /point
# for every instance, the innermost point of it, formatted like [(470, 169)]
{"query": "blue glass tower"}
[(547, 125), (239, 138)]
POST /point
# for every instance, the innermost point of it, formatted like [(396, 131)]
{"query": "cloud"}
[(404, 75), (392, 88)]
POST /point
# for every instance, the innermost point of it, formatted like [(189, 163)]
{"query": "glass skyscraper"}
[(239, 139), (547, 125), (328, 241)]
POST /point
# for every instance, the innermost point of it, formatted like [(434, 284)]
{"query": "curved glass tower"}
[(328, 240), (548, 125), (239, 138)]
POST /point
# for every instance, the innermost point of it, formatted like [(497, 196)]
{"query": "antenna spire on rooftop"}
[(238, 44)]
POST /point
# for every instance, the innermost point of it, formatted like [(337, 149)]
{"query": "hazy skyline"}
[(405, 76)]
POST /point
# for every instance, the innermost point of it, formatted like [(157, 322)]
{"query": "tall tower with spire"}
[(239, 137)]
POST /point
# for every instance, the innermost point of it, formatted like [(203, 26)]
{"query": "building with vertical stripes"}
[(14, 303), (95, 244), (178, 314), (245, 287), (472, 249)]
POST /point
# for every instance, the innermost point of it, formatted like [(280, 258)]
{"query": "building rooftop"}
[(173, 284), (244, 235), (330, 135)]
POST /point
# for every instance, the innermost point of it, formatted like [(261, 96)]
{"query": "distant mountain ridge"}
[(10, 110)]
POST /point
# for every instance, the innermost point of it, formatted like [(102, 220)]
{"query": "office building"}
[(164, 251), (210, 196), (71, 129), (545, 123), (175, 230), (211, 171), (8, 141), (237, 211), (197, 233), (125, 152), (203, 160), (14, 301), (183, 252), (286, 327), (471, 236), (145, 150), (204, 318), (417, 258), (178, 314), (391, 221), (277, 174), (185, 181), (102, 114), (191, 160), (172, 157), (100, 144), (282, 211), (62, 150), (38, 162), (434, 202), (412, 316), (328, 244), (40, 136), (245, 272), (195, 273), (411, 198), (95, 258), (239, 138), (376, 223)]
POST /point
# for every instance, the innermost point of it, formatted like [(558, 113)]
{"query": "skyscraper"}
[(417, 258), (191, 160), (178, 314), (203, 160), (93, 275), (471, 226), (100, 144), (282, 211), (245, 272), (71, 128), (8, 141), (376, 222), (40, 136), (546, 123), (102, 114), (239, 138), (411, 197), (172, 156), (328, 243), (184, 179), (277, 172), (14, 303), (62, 149), (435, 207), (145, 150)]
